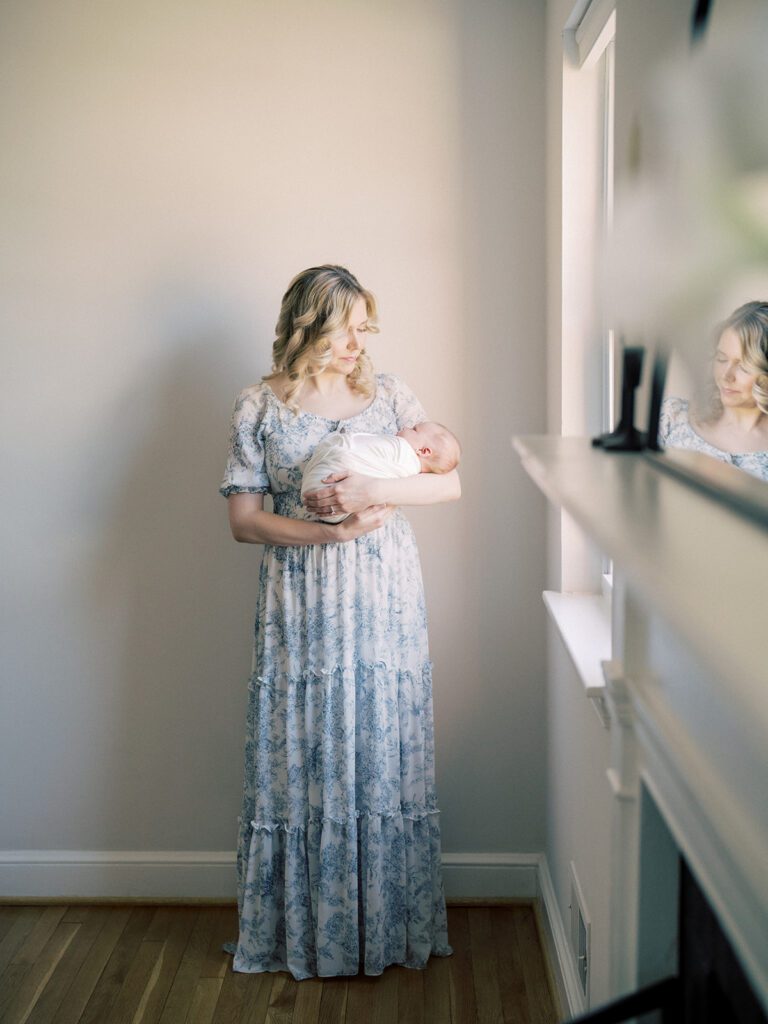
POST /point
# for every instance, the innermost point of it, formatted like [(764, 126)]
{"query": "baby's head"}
[(438, 449)]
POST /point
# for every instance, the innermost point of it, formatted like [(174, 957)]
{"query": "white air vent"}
[(580, 929)]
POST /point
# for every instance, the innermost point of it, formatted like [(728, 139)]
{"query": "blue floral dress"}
[(675, 431), (338, 851)]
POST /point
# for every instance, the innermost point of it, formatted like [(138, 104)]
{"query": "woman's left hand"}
[(347, 492)]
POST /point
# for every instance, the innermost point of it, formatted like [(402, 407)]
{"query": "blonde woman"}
[(730, 421), (339, 839)]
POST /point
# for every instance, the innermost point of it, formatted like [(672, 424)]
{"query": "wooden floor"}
[(106, 964)]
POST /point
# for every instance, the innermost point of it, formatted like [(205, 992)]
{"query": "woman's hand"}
[(349, 492), (362, 522)]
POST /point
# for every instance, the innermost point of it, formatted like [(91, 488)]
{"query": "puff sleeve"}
[(673, 416), (246, 469), (408, 409)]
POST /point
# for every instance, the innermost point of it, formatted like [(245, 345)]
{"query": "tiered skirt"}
[(339, 862)]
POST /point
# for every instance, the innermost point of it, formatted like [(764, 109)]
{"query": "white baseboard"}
[(103, 874), (117, 874), (490, 875)]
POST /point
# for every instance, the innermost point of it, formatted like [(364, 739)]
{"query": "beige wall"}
[(167, 168)]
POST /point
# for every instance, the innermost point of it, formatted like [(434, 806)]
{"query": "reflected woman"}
[(730, 420)]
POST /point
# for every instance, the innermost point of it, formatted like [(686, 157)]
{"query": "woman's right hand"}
[(359, 523)]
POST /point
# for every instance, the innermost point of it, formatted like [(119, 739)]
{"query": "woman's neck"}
[(326, 384), (745, 421)]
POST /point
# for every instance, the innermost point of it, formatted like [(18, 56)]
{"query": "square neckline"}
[(722, 451), (328, 419)]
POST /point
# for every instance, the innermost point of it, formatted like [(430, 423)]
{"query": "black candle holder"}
[(626, 437)]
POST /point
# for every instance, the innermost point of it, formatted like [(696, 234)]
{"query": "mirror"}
[(687, 266), (717, 404)]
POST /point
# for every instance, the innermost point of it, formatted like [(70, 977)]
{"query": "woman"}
[(730, 422), (339, 840)]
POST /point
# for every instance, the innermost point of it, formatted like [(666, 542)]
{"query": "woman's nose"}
[(352, 341), (729, 373)]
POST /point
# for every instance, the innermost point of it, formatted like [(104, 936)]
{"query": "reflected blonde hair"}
[(750, 322), (317, 305)]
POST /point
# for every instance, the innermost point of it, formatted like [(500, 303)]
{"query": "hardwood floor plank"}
[(540, 1003), (462, 984), (177, 928), (234, 989), (410, 995), (36, 977), (82, 987), (43, 928), (373, 998), (204, 1001), (257, 998), (514, 997), (192, 961), (309, 995), (11, 973), (8, 918), (281, 999), (62, 979), (110, 981), (437, 990), (139, 980), (333, 1006), (217, 962), (485, 972)]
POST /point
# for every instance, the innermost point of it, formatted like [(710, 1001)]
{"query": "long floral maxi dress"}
[(338, 859)]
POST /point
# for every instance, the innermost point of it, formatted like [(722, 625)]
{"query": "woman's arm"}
[(349, 492), (250, 524)]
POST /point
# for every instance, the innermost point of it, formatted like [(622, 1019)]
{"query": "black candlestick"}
[(626, 437)]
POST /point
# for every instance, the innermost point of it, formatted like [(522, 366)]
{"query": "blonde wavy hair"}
[(316, 306), (750, 322)]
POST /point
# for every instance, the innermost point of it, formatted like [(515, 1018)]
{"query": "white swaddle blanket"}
[(379, 455)]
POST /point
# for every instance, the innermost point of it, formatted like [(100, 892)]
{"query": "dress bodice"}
[(270, 445), (675, 431)]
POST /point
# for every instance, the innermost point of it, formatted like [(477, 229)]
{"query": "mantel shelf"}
[(701, 564)]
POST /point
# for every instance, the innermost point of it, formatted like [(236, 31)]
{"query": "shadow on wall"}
[(160, 581)]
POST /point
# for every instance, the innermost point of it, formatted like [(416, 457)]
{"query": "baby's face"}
[(423, 435)]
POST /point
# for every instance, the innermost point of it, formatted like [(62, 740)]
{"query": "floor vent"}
[(580, 929)]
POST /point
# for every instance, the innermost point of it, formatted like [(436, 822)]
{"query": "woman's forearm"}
[(255, 526), (423, 489)]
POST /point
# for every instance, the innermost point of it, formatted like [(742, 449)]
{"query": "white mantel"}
[(686, 688)]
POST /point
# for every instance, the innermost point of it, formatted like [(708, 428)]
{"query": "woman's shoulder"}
[(388, 381), (674, 407), (392, 385), (253, 401), (254, 394)]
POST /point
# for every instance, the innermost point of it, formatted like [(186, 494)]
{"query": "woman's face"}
[(347, 345), (734, 381)]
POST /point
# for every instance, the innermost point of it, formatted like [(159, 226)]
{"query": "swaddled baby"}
[(426, 447)]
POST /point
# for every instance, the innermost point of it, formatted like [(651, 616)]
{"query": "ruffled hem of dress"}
[(349, 822), (319, 901), (315, 674), (261, 966)]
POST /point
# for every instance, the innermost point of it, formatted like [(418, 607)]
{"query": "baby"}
[(425, 448)]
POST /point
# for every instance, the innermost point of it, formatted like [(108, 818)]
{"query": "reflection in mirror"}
[(719, 406)]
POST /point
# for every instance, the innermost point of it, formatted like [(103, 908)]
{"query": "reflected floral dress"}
[(675, 431), (338, 849)]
